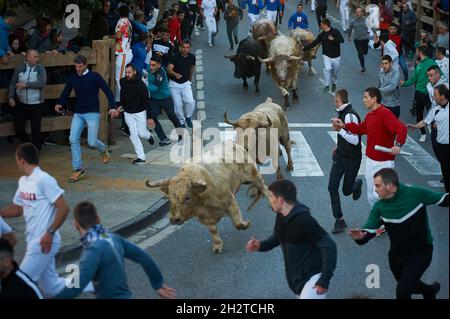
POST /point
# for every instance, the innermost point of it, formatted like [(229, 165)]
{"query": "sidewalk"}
[(117, 189)]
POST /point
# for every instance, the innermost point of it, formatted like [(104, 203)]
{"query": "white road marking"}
[(293, 125), (435, 184), (199, 77), (199, 69), (166, 232), (362, 168), (421, 160), (305, 163), (200, 105), (200, 95)]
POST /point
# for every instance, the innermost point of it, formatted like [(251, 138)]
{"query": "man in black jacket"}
[(309, 252), (331, 40), (134, 100), (346, 160)]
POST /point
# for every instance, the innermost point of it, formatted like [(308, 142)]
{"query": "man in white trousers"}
[(123, 51), (209, 10), (383, 128), (331, 40), (344, 9), (272, 6), (181, 69), (254, 9), (135, 100), (40, 200)]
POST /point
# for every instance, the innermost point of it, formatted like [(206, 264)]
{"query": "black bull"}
[(246, 63)]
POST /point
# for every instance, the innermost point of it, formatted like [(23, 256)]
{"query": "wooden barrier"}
[(101, 57)]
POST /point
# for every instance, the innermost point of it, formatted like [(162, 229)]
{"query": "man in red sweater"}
[(174, 26), (382, 128)]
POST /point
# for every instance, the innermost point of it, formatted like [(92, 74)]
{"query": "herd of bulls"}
[(207, 189)]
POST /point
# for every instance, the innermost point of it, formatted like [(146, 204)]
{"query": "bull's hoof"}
[(295, 98), (217, 249), (257, 91), (311, 72), (286, 107), (245, 88), (252, 191), (290, 167), (244, 225)]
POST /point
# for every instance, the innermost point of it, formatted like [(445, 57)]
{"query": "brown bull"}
[(303, 38), (207, 191), (266, 115), (284, 62)]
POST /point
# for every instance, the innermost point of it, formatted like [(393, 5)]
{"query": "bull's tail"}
[(257, 198), (255, 193)]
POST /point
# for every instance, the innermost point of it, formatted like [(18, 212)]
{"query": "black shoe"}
[(49, 141), (357, 186), (151, 140), (339, 226), (139, 161), (165, 142), (436, 288), (441, 181), (189, 122), (363, 69), (231, 48), (333, 88)]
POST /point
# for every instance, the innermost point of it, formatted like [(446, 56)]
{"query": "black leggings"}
[(422, 101), (442, 154), (25, 112), (362, 47), (408, 269)]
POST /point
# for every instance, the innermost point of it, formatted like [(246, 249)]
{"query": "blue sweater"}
[(139, 56), (298, 20), (273, 5), (105, 267), (86, 90), (4, 37), (253, 9)]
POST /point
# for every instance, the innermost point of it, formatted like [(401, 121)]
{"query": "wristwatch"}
[(398, 144), (51, 231)]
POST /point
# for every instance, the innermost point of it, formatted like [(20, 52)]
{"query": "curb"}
[(154, 213)]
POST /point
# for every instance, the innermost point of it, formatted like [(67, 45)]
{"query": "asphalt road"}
[(184, 255)]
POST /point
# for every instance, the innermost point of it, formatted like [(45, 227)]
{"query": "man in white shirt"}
[(442, 61), (40, 200), (124, 54), (344, 10), (388, 48), (7, 233)]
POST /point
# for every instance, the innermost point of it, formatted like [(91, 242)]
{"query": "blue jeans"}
[(403, 66), (92, 121)]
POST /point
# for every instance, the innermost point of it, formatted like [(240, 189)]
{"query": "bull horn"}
[(225, 118), (266, 125), (249, 57), (263, 37), (294, 58), (265, 60), (160, 183)]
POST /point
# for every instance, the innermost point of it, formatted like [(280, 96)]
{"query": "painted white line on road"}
[(201, 115), (200, 85), (421, 160), (199, 69), (166, 232), (199, 62), (199, 77), (435, 184), (293, 125), (200, 105), (198, 51), (200, 95), (305, 163), (362, 168)]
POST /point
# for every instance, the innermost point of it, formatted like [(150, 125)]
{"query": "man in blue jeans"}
[(86, 111)]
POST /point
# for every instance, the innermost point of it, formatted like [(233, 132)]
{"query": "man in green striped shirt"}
[(402, 209)]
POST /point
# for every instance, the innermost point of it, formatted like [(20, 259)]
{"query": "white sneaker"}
[(210, 45), (423, 138)]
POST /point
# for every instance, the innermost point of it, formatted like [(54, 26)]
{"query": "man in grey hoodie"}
[(27, 97), (389, 78)]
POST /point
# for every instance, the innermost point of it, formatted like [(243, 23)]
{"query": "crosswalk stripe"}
[(293, 125), (362, 168), (421, 160), (435, 184), (305, 163)]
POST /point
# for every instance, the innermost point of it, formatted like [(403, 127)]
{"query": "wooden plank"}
[(48, 124), (50, 60), (427, 20), (425, 4), (50, 92), (103, 68)]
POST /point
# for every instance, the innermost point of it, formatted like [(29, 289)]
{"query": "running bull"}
[(284, 62), (207, 191), (246, 63), (266, 115), (303, 38)]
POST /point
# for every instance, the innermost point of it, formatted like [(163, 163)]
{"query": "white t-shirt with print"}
[(209, 6), (37, 194), (123, 46), (4, 228)]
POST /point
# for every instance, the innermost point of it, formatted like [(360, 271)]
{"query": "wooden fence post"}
[(103, 68)]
